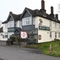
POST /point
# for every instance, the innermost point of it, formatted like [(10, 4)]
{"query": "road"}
[(17, 53)]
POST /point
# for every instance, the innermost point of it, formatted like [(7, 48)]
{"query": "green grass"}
[(44, 47)]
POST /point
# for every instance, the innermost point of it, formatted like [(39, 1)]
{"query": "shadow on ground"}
[(35, 51), (1, 59)]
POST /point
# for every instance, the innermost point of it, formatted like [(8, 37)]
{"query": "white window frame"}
[(50, 34), (10, 24), (26, 21), (55, 34)]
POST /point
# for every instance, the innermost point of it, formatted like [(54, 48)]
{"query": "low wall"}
[(2, 42)]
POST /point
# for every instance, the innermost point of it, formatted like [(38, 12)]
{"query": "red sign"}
[(23, 34)]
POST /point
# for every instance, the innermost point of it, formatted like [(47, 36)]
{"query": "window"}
[(11, 29), (26, 21), (10, 24), (55, 34), (50, 34), (59, 35), (6, 36), (3, 36)]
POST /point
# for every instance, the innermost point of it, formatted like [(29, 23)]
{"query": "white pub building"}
[(39, 25)]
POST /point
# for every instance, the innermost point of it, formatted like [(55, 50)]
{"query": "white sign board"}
[(23, 34)]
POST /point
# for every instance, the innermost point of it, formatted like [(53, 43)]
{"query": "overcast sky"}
[(17, 6)]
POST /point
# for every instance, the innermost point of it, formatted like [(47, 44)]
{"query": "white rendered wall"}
[(2, 38), (5, 27), (46, 34)]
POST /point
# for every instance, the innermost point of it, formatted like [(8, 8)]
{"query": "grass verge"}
[(49, 48)]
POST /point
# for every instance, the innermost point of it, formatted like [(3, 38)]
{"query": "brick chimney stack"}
[(42, 10), (56, 16), (42, 4), (52, 11)]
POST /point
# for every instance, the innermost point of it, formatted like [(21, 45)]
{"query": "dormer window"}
[(27, 21), (10, 24)]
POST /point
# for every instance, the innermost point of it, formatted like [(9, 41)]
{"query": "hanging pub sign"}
[(23, 35)]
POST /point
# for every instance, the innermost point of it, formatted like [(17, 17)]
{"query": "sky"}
[(17, 6)]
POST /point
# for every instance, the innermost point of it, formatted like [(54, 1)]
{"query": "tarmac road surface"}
[(17, 53)]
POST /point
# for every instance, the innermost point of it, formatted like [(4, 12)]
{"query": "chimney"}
[(42, 4), (56, 16), (52, 11), (42, 10)]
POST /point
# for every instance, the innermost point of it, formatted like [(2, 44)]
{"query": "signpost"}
[(23, 36)]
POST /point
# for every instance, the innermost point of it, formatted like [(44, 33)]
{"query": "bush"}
[(56, 40), (23, 40), (14, 38)]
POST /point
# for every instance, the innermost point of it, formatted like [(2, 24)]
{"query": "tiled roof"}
[(34, 13), (37, 12), (15, 17)]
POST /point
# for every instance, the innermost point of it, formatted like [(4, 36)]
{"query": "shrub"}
[(23, 40), (14, 38), (56, 39)]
